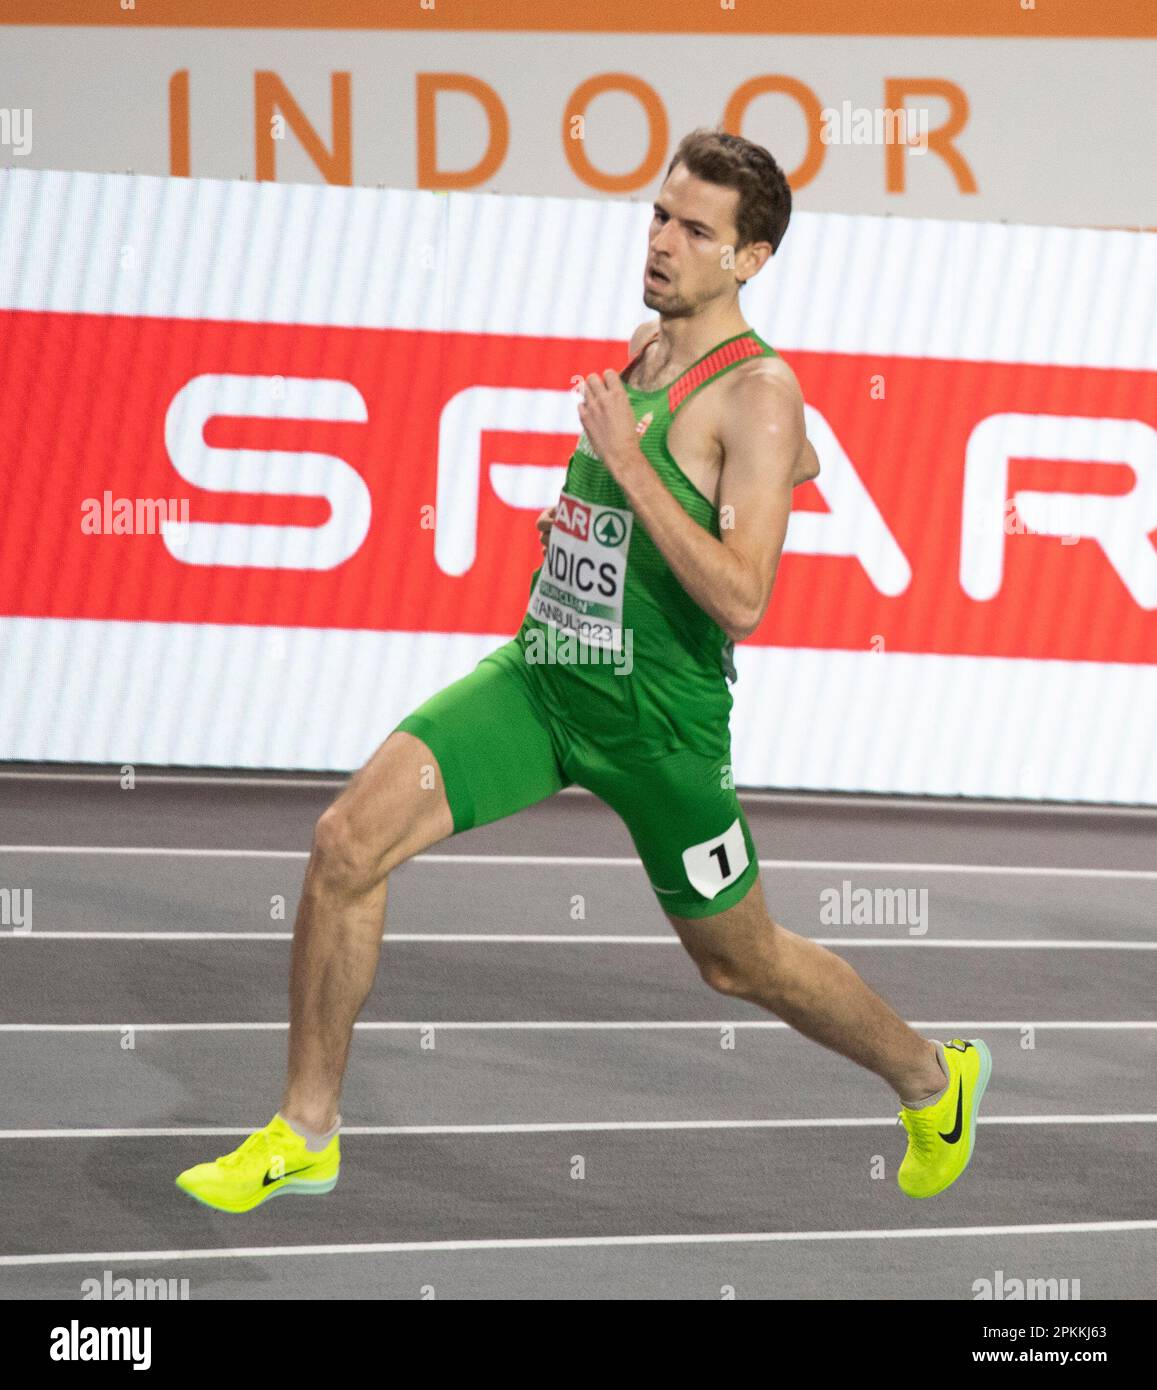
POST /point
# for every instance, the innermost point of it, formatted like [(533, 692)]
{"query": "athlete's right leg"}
[(395, 807), (480, 749), (473, 753)]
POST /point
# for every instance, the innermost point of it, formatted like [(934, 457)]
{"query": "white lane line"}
[(816, 865), (956, 1028), (606, 861), (550, 939), (152, 850), (566, 1127), (156, 935), (869, 801), (862, 801), (577, 1242), (113, 778)]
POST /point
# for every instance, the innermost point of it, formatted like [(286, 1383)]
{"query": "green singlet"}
[(616, 680)]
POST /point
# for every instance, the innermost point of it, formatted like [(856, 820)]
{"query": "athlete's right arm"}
[(638, 338)]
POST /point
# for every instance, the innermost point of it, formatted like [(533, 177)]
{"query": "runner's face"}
[(692, 223)]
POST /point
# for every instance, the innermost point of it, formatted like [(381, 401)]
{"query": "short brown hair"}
[(764, 193)]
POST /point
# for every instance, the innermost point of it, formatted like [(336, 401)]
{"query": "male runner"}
[(660, 555)]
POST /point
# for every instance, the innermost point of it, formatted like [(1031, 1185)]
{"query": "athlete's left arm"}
[(765, 448), (762, 434), (807, 464)]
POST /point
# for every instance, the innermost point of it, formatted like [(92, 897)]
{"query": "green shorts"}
[(503, 744)]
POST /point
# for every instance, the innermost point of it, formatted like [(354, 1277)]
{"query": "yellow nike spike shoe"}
[(941, 1137), (271, 1161)]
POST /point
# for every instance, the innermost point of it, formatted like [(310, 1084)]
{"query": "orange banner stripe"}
[(958, 18)]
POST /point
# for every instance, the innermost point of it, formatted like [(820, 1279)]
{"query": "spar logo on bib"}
[(579, 590), (609, 529), (572, 517)]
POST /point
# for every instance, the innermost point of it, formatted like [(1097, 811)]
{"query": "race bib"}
[(716, 863), (579, 589)]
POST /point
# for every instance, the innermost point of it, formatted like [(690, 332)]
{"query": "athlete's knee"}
[(343, 859), (753, 970), (723, 975)]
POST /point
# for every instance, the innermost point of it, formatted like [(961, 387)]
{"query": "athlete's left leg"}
[(696, 845), (742, 951)]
